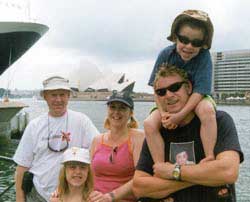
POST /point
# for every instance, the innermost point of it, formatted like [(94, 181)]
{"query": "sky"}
[(117, 35)]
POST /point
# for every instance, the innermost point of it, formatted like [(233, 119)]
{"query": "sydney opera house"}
[(89, 82)]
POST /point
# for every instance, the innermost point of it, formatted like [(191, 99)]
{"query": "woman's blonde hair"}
[(133, 123), (63, 187)]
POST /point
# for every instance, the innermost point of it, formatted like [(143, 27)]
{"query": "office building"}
[(231, 73)]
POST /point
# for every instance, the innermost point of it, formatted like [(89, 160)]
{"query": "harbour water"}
[(97, 111)]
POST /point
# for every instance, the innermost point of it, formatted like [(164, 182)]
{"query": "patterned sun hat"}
[(195, 15)]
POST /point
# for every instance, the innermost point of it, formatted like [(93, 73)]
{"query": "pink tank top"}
[(113, 167)]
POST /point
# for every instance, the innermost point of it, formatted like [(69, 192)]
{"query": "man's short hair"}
[(166, 70)]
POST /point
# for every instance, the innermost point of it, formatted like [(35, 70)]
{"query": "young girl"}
[(75, 179), (192, 33)]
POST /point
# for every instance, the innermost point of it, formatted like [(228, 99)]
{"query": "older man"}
[(44, 140), (187, 183)]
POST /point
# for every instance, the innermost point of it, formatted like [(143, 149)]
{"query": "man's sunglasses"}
[(172, 88), (195, 42)]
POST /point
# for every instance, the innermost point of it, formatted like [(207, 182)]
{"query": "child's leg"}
[(206, 112), (155, 142)]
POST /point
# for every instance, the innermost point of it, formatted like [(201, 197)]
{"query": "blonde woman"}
[(75, 178), (115, 153)]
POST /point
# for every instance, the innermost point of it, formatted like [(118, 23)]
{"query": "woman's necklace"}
[(115, 145)]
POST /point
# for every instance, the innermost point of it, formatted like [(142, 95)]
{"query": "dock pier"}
[(12, 121)]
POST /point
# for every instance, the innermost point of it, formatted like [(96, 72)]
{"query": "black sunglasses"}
[(195, 42), (172, 88)]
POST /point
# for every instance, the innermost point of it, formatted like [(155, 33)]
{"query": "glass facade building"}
[(231, 72)]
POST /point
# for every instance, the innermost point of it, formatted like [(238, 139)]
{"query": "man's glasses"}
[(66, 145), (64, 138), (172, 88), (195, 42)]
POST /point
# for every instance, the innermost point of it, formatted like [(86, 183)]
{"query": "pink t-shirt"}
[(113, 167)]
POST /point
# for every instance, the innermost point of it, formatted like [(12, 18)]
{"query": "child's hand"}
[(166, 122), (172, 119), (165, 116), (175, 118)]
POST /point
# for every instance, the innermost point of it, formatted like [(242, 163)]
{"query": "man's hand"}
[(206, 159), (164, 170), (171, 121)]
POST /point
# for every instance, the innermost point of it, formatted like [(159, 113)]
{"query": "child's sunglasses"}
[(195, 43), (172, 88)]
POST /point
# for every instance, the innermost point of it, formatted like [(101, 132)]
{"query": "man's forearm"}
[(223, 170), (145, 185), (171, 187), (20, 197)]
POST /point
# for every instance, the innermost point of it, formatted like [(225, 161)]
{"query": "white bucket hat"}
[(76, 154), (55, 83)]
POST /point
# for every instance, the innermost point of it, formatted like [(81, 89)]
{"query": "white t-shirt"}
[(33, 151)]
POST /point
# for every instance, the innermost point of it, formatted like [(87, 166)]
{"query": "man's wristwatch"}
[(177, 172)]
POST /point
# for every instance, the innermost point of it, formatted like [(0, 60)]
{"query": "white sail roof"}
[(88, 76), (84, 75)]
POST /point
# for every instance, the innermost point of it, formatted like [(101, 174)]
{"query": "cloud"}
[(125, 36), (126, 31), (114, 30)]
